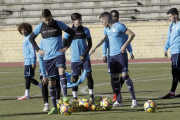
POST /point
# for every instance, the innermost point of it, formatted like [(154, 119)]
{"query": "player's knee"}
[(89, 76), (52, 81), (115, 76), (61, 70), (75, 78), (126, 78), (175, 72)]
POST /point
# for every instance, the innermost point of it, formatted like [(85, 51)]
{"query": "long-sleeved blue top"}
[(173, 39), (29, 52)]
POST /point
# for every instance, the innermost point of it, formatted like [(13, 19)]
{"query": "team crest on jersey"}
[(114, 29), (177, 27)]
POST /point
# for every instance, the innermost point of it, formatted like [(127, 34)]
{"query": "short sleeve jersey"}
[(78, 45), (117, 37), (52, 38)]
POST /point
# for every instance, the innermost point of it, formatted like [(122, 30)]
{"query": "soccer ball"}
[(84, 104), (66, 109), (106, 104), (150, 106), (74, 104), (59, 103), (98, 98), (94, 105)]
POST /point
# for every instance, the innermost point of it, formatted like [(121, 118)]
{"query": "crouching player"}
[(29, 54)]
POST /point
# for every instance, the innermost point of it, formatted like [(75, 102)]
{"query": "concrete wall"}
[(148, 43)]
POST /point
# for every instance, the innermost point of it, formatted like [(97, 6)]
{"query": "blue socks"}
[(63, 82), (52, 91), (117, 89), (130, 86)]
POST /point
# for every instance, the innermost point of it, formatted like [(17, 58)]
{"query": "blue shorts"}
[(52, 65), (77, 66), (29, 71), (175, 59), (118, 64)]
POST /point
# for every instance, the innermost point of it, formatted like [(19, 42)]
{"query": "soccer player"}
[(53, 53), (80, 53), (173, 42), (118, 62), (29, 54), (105, 47)]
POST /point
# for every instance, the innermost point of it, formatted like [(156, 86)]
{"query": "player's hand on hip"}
[(45, 81), (92, 51), (81, 58), (34, 66), (42, 52), (105, 59), (64, 49), (123, 49), (169, 57), (132, 56), (165, 54)]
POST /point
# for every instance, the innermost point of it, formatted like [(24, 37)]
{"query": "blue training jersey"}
[(117, 37), (105, 47), (68, 75), (29, 52), (52, 38), (173, 38), (41, 62), (78, 45)]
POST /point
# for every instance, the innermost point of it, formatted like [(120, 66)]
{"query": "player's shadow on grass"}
[(142, 99), (4, 99), (127, 110), (167, 107), (22, 114)]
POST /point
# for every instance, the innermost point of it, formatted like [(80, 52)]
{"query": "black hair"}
[(46, 13), (173, 11), (75, 16), (115, 11)]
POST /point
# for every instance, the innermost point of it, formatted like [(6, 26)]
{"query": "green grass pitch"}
[(151, 81)]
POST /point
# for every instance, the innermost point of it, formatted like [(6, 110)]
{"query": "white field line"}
[(83, 89), (37, 71)]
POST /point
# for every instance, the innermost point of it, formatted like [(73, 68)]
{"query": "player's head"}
[(115, 15), (173, 14), (47, 17), (25, 29), (104, 18), (77, 19)]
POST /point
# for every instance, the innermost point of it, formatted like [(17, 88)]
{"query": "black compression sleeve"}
[(88, 47), (72, 34), (33, 42), (65, 42)]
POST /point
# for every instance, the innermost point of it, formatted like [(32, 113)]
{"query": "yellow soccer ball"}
[(84, 104), (106, 104), (94, 105), (59, 103), (66, 109), (150, 106)]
